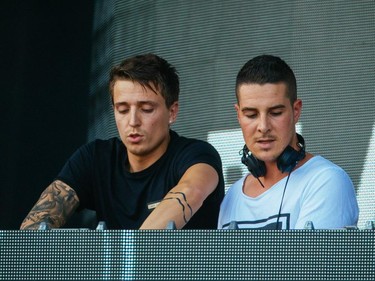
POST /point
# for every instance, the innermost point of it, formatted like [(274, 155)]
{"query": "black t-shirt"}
[(97, 172)]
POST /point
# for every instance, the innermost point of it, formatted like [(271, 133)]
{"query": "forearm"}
[(185, 199), (174, 207), (55, 205)]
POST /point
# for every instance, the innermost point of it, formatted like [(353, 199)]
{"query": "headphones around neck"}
[(286, 162)]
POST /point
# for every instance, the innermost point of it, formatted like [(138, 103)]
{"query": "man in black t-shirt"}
[(149, 177)]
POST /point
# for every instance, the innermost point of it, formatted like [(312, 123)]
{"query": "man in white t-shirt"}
[(287, 186)]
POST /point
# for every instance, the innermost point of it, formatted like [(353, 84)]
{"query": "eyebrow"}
[(279, 106), (138, 103)]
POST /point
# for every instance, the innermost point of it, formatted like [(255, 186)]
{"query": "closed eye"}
[(249, 113), (251, 116), (276, 113), (122, 110), (148, 110)]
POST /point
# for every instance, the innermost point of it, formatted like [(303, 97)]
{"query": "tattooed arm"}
[(56, 204)]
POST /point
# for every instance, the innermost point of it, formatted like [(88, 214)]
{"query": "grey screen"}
[(330, 45)]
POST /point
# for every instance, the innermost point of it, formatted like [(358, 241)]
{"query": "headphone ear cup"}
[(255, 166), (286, 162), (289, 159)]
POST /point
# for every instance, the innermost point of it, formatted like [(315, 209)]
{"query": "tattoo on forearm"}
[(183, 196), (182, 204), (54, 207)]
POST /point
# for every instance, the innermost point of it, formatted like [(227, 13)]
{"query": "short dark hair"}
[(268, 69), (150, 71)]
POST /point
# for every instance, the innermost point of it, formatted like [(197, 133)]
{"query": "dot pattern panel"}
[(187, 255)]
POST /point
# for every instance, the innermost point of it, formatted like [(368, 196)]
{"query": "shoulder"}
[(321, 172), (319, 164), (99, 150), (99, 145), (193, 151), (183, 153), (191, 145), (233, 199)]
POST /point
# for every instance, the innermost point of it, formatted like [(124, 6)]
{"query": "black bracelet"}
[(182, 205), (183, 195)]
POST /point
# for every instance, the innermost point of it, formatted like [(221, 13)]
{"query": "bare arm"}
[(55, 205), (179, 205)]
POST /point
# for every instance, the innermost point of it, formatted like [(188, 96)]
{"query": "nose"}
[(264, 124), (134, 120)]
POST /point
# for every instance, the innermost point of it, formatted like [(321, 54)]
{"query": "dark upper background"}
[(45, 65)]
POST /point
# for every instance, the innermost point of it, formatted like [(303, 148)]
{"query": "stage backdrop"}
[(330, 45)]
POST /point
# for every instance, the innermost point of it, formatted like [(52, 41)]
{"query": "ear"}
[(237, 107), (173, 111), (297, 109)]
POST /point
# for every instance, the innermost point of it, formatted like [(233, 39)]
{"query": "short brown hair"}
[(150, 71)]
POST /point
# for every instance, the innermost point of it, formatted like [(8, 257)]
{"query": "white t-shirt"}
[(319, 191)]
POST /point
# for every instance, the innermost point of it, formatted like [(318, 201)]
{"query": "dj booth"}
[(82, 254)]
